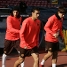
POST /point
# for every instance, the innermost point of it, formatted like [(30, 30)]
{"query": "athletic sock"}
[(3, 65), (53, 65), (4, 60), (42, 62), (22, 64)]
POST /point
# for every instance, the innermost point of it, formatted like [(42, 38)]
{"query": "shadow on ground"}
[(62, 65)]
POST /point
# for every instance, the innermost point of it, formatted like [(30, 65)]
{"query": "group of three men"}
[(25, 37)]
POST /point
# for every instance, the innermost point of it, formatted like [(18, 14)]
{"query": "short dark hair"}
[(35, 8), (61, 9)]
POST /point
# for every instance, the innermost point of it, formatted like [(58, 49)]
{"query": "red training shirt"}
[(13, 28), (51, 27), (29, 33)]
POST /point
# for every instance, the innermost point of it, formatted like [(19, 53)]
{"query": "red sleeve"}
[(48, 25), (22, 31), (9, 25), (21, 18), (38, 32)]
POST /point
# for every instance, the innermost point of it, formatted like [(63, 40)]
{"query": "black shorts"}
[(9, 45), (28, 52), (51, 46)]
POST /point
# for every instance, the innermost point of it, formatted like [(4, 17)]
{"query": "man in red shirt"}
[(29, 38), (12, 37), (53, 28)]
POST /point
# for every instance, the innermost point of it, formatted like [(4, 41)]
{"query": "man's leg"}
[(45, 58), (36, 59), (4, 60), (22, 64), (19, 61), (54, 59)]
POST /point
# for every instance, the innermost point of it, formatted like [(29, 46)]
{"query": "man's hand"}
[(25, 47), (56, 34)]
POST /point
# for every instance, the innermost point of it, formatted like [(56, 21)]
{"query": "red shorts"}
[(9, 45)]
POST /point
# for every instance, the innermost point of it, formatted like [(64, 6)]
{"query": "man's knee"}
[(36, 57), (20, 60)]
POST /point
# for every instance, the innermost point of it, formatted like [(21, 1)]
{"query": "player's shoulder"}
[(9, 17)]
